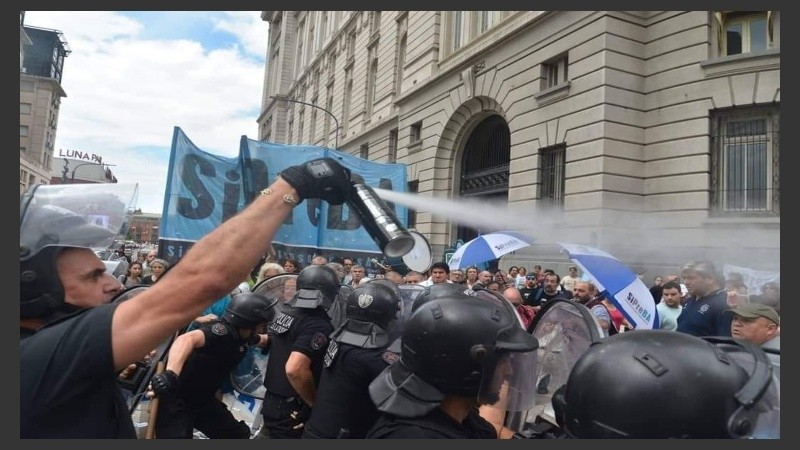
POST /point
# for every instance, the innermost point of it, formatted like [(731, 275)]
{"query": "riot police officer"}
[(198, 363), (458, 352), (675, 386), (356, 354), (74, 340), (298, 338)]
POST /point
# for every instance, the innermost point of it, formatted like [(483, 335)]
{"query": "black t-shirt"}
[(301, 330), (208, 366), (435, 425), (68, 385), (343, 399)]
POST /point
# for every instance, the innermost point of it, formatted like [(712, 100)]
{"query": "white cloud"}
[(126, 92)]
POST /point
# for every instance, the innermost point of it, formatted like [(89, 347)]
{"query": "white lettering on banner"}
[(77, 154)]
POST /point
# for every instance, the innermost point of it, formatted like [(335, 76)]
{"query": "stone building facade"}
[(653, 135)]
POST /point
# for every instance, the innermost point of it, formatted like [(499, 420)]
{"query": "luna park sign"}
[(77, 154)]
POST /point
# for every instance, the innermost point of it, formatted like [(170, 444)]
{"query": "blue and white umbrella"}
[(624, 288), (488, 247)]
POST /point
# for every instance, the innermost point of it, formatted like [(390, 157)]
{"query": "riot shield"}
[(408, 292), (134, 385), (565, 330), (281, 287)]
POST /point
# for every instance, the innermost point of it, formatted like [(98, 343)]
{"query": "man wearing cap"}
[(756, 323)]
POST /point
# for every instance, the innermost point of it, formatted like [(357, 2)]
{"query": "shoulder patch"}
[(390, 357), (219, 329), (318, 341)]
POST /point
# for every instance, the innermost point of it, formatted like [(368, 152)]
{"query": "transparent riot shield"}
[(134, 382), (408, 292), (565, 330)]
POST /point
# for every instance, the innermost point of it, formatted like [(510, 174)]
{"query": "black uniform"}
[(343, 408), (73, 355), (435, 425), (303, 330), (193, 404)]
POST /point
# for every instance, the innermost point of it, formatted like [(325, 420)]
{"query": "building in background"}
[(651, 134), (42, 54), (143, 228)]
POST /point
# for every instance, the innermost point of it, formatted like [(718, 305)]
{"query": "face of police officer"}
[(85, 279)]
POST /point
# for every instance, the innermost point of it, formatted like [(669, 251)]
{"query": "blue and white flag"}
[(203, 190)]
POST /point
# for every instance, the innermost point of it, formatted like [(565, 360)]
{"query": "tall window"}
[(351, 45), (375, 22), (372, 80), (392, 157), (300, 119), (458, 30), (300, 39), (289, 132), (488, 19), (323, 30), (401, 62), (348, 96), (329, 107), (312, 127), (363, 151), (552, 164), (745, 171)]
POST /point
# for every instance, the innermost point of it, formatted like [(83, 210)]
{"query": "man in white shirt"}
[(570, 280), (669, 308), (440, 273)]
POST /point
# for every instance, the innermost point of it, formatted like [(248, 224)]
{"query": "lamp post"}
[(281, 97), (72, 178)]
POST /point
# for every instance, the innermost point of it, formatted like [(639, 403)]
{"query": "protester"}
[(669, 308), (73, 341), (702, 313)]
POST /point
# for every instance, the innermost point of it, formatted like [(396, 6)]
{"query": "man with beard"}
[(548, 292), (586, 294)]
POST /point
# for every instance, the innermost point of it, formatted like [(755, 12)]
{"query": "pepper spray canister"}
[(380, 221)]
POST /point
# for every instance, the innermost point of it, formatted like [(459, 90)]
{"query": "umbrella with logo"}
[(622, 286), (488, 247)]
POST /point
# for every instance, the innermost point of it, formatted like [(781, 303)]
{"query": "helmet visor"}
[(508, 391), (74, 215), (282, 287)]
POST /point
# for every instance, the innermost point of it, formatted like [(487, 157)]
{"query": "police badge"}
[(219, 329), (364, 300)]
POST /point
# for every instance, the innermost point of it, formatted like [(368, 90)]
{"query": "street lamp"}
[(281, 97), (72, 179)]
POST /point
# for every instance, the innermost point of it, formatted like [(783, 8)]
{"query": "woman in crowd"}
[(133, 276), (159, 268), (290, 265)]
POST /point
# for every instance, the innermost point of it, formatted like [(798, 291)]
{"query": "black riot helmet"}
[(370, 311), (374, 303), (56, 217), (455, 342), (317, 286), (248, 309), (662, 384)]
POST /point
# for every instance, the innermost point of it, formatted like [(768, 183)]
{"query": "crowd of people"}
[(340, 364)]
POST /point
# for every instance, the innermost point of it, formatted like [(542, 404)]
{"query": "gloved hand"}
[(302, 415), (254, 339), (164, 382), (322, 178)]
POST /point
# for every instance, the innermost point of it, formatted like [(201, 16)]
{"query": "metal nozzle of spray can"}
[(380, 221)]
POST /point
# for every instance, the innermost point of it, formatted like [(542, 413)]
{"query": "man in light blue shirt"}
[(670, 306)]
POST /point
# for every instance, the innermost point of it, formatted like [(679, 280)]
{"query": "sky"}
[(131, 77)]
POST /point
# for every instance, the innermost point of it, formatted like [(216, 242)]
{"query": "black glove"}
[(322, 178), (164, 382), (254, 339), (302, 415)]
